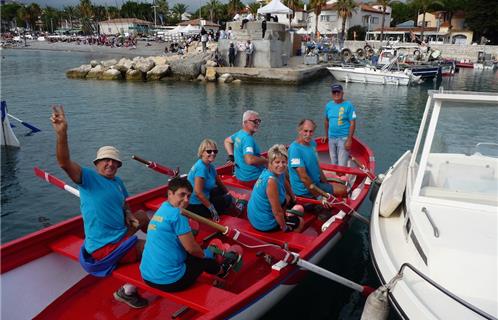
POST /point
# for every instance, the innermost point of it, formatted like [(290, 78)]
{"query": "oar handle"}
[(221, 228), (135, 157), (363, 168)]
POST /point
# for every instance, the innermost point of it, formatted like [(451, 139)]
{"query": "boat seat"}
[(295, 240), (155, 203), (201, 296)]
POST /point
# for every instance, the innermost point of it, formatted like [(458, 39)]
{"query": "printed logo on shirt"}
[(157, 218), (250, 149), (295, 162), (151, 227)]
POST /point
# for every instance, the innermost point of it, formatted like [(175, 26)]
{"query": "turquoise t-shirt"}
[(163, 259), (303, 156), (205, 171), (340, 117), (244, 144), (101, 205), (259, 208)]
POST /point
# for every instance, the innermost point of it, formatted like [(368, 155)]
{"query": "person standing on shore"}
[(204, 39), (231, 55), (249, 52), (340, 124), (244, 151), (107, 220)]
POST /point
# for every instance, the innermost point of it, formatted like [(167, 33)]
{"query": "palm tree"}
[(253, 7), (424, 6), (162, 9), (345, 9), (234, 6), (293, 5), (179, 9), (452, 6), (317, 9), (213, 7), (384, 4), (86, 15), (70, 12)]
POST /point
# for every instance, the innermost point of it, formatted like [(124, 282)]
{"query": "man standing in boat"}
[(108, 221), (242, 148), (340, 124), (306, 177)]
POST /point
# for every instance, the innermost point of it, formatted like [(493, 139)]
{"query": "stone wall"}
[(450, 51)]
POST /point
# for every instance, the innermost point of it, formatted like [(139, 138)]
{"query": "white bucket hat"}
[(108, 152)]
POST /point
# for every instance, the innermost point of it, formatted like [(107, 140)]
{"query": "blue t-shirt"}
[(340, 117), (208, 173), (163, 259), (244, 144), (303, 156), (259, 208), (101, 203)]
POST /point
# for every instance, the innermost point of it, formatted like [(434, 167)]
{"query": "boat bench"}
[(201, 296)]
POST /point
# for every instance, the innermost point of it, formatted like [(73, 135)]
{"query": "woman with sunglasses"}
[(271, 196), (210, 195)]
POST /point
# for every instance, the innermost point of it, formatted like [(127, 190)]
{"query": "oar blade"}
[(31, 127)]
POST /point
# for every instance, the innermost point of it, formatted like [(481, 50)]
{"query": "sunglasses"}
[(212, 151), (336, 92), (256, 121)]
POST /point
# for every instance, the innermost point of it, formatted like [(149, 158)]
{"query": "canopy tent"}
[(191, 29), (177, 29), (301, 31), (274, 7)]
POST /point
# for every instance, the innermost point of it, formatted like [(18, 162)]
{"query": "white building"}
[(365, 15), (125, 25)]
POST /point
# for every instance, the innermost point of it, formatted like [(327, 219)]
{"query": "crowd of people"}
[(170, 258)]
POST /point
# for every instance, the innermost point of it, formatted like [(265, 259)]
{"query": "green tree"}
[(480, 17), (234, 6), (9, 12), (452, 6), (139, 10), (424, 6), (162, 10), (253, 7), (402, 12), (70, 13), (293, 5), (317, 6), (85, 12), (345, 9), (49, 16), (360, 32), (179, 9), (213, 7), (29, 14)]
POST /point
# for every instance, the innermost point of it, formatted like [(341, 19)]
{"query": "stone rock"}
[(112, 74), (133, 75), (108, 63), (96, 72), (203, 69), (225, 78), (211, 63), (201, 78), (144, 65), (79, 73), (124, 64), (159, 60), (94, 63), (237, 81), (158, 72), (187, 68), (211, 74)]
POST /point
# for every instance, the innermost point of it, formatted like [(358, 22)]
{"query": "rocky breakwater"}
[(192, 67)]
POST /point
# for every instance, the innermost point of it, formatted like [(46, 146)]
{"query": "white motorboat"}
[(7, 136), (434, 224), (370, 74)]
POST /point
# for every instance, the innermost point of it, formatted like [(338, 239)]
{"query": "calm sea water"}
[(166, 121)]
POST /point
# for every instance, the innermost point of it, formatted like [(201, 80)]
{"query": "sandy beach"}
[(143, 48)]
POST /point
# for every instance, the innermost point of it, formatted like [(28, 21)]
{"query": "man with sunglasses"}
[(340, 124), (244, 151)]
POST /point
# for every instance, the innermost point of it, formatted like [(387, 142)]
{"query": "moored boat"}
[(433, 226), (8, 136), (370, 74), (43, 279)]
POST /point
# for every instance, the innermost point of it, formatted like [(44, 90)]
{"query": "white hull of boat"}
[(370, 75)]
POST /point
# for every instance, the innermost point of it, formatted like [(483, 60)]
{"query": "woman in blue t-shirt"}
[(271, 195), (210, 195)]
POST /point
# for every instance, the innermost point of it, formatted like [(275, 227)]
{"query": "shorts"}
[(131, 256)]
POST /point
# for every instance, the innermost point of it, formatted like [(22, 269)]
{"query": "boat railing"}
[(483, 148), (434, 228), (445, 291)]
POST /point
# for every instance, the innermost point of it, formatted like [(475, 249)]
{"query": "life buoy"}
[(346, 55), (360, 53), (416, 52)]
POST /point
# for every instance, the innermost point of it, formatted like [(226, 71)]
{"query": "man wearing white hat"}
[(108, 221)]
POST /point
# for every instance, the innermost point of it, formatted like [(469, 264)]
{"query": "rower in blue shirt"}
[(244, 151)]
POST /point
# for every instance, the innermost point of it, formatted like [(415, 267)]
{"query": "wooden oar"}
[(157, 167), (246, 240), (278, 253), (27, 125), (324, 194), (363, 168)]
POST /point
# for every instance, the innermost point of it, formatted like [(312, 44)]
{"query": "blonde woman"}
[(210, 195), (271, 194)]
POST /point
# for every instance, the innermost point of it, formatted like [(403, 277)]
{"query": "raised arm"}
[(59, 123)]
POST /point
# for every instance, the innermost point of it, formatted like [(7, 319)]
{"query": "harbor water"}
[(165, 122)]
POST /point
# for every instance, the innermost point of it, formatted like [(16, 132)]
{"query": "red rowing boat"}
[(42, 279)]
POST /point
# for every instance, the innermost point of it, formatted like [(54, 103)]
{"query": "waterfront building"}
[(124, 25)]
